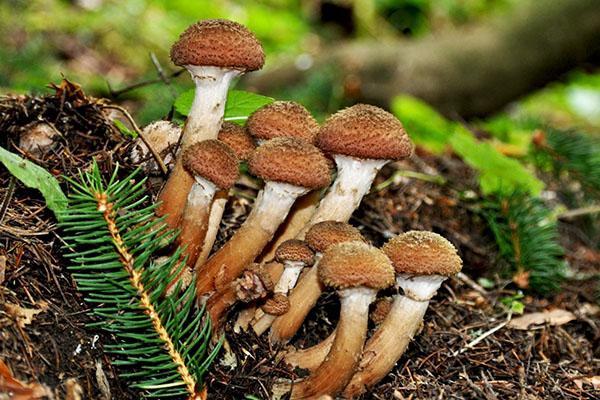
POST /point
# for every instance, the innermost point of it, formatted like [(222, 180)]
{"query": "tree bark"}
[(469, 72)]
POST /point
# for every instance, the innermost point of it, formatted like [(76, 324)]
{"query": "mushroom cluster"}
[(296, 242)]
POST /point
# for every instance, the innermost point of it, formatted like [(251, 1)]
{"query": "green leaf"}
[(240, 104), (425, 125), (124, 129), (497, 173), (35, 177)]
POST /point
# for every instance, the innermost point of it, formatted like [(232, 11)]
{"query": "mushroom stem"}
[(353, 181), (302, 299), (203, 123), (383, 350), (286, 281), (311, 357), (196, 218), (271, 207), (337, 368), (214, 220)]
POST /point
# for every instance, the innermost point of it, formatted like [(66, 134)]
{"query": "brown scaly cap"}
[(219, 43), (294, 250), (364, 131), (212, 160), (236, 137), (324, 234), (282, 119), (290, 160), (277, 305), (423, 253), (353, 264)]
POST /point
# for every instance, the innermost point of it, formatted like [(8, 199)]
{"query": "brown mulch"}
[(549, 362)]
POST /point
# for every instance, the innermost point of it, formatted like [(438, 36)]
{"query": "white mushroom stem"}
[(302, 299), (195, 218), (270, 209), (203, 123), (383, 350), (353, 181), (206, 114), (214, 221), (287, 281), (339, 365)]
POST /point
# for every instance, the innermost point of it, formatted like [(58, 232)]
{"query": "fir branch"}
[(163, 342), (569, 152), (527, 238)]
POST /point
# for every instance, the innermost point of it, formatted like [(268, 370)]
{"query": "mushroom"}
[(305, 295), (294, 255), (310, 358), (279, 304), (163, 137), (286, 119), (422, 260), (290, 167), (214, 52), (357, 271), (242, 145), (213, 166), (256, 282), (361, 139)]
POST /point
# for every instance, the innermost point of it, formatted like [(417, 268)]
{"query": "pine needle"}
[(162, 342)]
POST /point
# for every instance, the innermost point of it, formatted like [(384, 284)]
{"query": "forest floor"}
[(470, 346)]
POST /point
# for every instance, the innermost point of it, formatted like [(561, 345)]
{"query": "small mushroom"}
[(242, 145), (256, 282), (422, 260), (214, 52), (279, 304), (294, 255), (213, 166), (290, 167), (282, 119), (361, 139), (357, 271), (305, 295)]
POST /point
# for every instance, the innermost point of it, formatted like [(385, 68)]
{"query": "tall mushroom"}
[(213, 166), (361, 139), (214, 52), (422, 260), (304, 296), (357, 271), (290, 167), (294, 255), (242, 145), (286, 119)]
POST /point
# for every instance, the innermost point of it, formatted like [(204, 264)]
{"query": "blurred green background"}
[(109, 44)]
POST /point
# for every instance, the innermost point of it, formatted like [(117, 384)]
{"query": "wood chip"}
[(589, 380), (554, 318), (18, 390), (24, 316), (2, 269)]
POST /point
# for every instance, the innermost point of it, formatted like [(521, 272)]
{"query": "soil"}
[(55, 346)]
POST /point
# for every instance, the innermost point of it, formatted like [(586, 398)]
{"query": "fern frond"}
[(163, 341), (527, 237)]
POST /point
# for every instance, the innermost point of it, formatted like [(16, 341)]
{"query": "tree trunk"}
[(469, 72)]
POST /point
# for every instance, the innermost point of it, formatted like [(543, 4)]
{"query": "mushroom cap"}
[(282, 118), (212, 160), (290, 160), (364, 131), (294, 250), (354, 264), (236, 137), (218, 43), (324, 234), (423, 253), (277, 305)]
